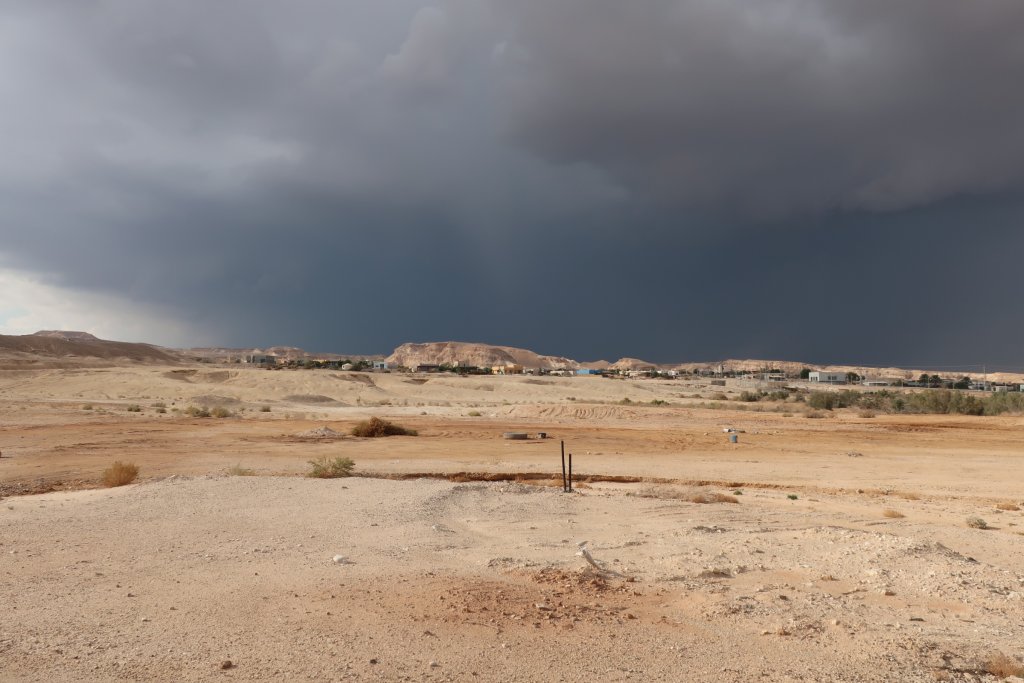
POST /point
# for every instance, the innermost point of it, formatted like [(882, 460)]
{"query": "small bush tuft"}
[(195, 411), (376, 427), (220, 411), (325, 468), (239, 471), (977, 523), (792, 496), (474, 413), (87, 406), (892, 514), (713, 498), (1004, 666), (120, 473), (1007, 507), (264, 409), (134, 408)]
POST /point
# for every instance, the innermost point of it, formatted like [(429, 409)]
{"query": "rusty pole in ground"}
[(564, 490)]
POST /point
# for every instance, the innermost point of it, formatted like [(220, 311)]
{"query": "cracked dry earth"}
[(233, 578)]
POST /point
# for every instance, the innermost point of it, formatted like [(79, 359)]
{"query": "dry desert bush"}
[(376, 427), (1004, 666), (671, 493), (120, 473), (893, 514), (977, 523), (239, 471), (1007, 507), (713, 498), (326, 468), (220, 411)]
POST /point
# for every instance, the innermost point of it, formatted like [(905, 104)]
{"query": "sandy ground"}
[(805, 577)]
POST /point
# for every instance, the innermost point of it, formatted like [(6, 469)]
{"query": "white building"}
[(827, 377), (380, 365)]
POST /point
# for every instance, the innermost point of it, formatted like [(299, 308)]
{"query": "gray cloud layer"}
[(253, 164)]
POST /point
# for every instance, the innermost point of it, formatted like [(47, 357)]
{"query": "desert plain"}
[(455, 555)]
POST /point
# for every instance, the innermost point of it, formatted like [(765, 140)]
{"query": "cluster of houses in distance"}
[(807, 375)]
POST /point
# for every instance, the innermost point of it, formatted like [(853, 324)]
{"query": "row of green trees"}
[(944, 401)]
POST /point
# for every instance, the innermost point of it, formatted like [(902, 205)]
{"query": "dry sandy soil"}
[(805, 577)]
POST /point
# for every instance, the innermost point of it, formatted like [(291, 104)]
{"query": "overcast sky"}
[(818, 180)]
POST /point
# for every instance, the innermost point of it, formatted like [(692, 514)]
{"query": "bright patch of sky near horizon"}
[(28, 305)]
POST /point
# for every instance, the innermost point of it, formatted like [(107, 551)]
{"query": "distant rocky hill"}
[(66, 335), (633, 364), (480, 355), (219, 354), (64, 348), (57, 344)]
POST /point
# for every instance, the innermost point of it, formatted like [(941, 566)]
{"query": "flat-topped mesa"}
[(49, 345), (475, 355), (66, 335)]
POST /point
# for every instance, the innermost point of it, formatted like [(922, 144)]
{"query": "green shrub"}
[(325, 468), (822, 400), (792, 496), (376, 427)]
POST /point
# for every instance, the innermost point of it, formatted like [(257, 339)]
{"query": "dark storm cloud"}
[(350, 175), (776, 106)]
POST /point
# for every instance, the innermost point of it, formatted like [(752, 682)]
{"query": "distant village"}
[(720, 372)]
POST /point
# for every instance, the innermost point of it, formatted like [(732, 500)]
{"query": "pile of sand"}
[(320, 433)]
